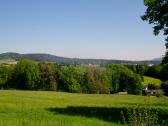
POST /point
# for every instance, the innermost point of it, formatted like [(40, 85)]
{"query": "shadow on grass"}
[(112, 114), (102, 113)]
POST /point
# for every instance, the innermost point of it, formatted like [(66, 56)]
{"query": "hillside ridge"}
[(44, 57)]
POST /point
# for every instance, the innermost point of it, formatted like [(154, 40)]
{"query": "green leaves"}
[(151, 2), (157, 14), (123, 79), (27, 74)]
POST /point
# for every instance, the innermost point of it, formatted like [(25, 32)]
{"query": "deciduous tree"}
[(157, 14), (27, 74)]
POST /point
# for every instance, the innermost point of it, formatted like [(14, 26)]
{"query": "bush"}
[(164, 86), (159, 93), (153, 86), (138, 116)]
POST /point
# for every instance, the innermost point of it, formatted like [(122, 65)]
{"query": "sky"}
[(105, 29)]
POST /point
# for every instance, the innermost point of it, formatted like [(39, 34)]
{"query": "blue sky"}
[(107, 29)]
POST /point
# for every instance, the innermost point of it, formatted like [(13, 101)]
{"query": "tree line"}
[(156, 71), (31, 75)]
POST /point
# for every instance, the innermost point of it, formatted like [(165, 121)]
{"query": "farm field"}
[(45, 108)]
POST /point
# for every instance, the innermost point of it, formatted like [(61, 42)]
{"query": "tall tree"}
[(70, 78), (48, 76), (27, 74), (157, 14), (5, 75)]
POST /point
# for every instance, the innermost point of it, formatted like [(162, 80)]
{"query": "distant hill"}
[(157, 59), (52, 58)]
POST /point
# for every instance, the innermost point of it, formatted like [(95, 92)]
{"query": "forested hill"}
[(52, 58)]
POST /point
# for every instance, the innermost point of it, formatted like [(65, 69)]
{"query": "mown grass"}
[(151, 80), (40, 108)]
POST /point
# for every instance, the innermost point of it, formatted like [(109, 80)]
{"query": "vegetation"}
[(6, 73), (62, 60), (123, 79), (30, 75), (157, 14), (7, 61), (27, 75), (91, 77), (151, 80), (47, 77), (165, 87), (139, 116), (39, 108)]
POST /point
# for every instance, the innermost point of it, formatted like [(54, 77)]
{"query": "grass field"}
[(40, 108), (151, 80), (7, 61)]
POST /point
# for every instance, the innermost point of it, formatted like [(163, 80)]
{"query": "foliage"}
[(5, 75), (70, 78), (153, 86), (48, 77), (27, 75), (165, 87), (159, 93), (139, 116), (164, 72), (158, 71), (30, 75), (138, 68), (102, 80), (157, 14), (123, 79), (96, 80), (89, 85), (154, 71)]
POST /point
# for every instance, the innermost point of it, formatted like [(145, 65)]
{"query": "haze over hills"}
[(57, 59)]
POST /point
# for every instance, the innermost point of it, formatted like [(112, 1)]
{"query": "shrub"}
[(153, 86), (164, 86), (138, 116), (159, 93)]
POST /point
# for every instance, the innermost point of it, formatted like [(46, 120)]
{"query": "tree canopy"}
[(27, 74), (157, 14)]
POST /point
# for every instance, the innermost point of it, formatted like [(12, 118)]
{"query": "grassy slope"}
[(6, 61), (38, 108), (151, 80)]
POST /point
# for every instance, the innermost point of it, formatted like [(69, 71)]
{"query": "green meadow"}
[(151, 80), (47, 108)]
